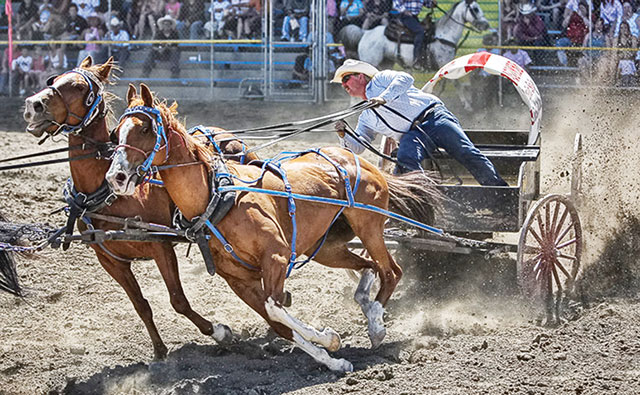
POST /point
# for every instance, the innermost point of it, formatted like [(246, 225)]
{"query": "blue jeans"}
[(304, 28), (414, 26), (443, 130)]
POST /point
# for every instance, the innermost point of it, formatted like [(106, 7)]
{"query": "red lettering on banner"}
[(512, 72), (477, 60)]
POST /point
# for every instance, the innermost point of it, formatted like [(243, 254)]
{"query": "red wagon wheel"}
[(549, 252)]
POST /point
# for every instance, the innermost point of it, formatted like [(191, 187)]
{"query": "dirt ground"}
[(456, 325)]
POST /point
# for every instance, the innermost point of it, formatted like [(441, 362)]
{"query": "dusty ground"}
[(454, 325)]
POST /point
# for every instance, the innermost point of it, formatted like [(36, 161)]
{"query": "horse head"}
[(473, 14), (71, 101), (144, 134)]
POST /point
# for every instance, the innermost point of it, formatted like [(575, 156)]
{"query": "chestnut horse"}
[(257, 232), (67, 105)]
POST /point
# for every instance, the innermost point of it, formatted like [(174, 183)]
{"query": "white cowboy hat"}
[(527, 8), (351, 66), (114, 21), (167, 18)]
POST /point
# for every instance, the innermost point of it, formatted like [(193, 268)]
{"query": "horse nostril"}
[(38, 107), (121, 178)]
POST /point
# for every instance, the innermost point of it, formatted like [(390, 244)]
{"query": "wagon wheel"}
[(576, 170), (549, 253)]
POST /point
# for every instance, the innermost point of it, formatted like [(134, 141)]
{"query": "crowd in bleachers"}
[(578, 23)]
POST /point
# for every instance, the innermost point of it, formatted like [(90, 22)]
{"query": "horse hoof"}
[(160, 353), (377, 337), (340, 365), (222, 334), (334, 343)]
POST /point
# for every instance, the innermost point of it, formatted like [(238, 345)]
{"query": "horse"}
[(71, 103), (255, 242), (374, 47)]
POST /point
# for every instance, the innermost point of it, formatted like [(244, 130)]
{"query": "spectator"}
[(509, 14), (296, 21), (192, 19), (120, 52), (552, 10), (517, 55), (302, 69), (92, 33), (133, 17), (75, 24), (626, 68), (221, 10), (630, 17), (230, 25), (164, 52), (351, 12), (409, 10), (611, 13), (172, 8), (599, 39), (529, 30), (576, 25), (49, 26), (86, 7), (332, 16), (376, 12), (251, 20), (151, 11), (21, 67), (57, 59), (38, 69), (28, 14)]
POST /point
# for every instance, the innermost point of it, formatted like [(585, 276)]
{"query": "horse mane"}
[(171, 123), (447, 15)]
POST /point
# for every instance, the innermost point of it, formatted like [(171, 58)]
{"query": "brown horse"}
[(257, 232), (66, 105)]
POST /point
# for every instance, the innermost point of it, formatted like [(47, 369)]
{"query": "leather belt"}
[(424, 115)]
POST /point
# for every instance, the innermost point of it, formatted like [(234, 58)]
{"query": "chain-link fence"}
[(286, 49)]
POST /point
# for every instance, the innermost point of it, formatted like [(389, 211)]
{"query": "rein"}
[(102, 151)]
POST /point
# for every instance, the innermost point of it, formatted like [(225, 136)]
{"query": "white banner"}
[(497, 65)]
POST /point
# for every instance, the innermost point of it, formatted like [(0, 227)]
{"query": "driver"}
[(418, 121)]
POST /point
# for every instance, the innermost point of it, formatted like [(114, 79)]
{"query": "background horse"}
[(374, 47), (66, 103), (257, 232)]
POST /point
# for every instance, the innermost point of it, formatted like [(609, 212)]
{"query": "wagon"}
[(549, 246)]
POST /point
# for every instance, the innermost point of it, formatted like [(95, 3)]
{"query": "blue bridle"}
[(92, 101), (161, 136)]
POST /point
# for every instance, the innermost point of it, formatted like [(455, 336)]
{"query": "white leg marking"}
[(377, 332), (320, 355), (222, 333), (362, 295), (328, 338)]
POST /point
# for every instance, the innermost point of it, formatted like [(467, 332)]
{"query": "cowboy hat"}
[(167, 18), (352, 66), (115, 22), (527, 8)]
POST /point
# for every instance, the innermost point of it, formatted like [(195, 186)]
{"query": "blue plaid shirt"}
[(413, 6)]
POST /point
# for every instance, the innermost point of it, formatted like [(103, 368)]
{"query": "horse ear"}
[(87, 62), (147, 96), (105, 69), (131, 93)]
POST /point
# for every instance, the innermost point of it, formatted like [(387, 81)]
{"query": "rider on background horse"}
[(418, 121), (408, 11)]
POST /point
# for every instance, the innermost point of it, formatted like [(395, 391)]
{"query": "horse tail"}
[(414, 195), (8, 274)]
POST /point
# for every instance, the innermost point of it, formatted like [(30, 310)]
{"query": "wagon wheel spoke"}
[(535, 236), (562, 219), (547, 220), (528, 262), (567, 243), (541, 227), (554, 271), (538, 267), (561, 267), (563, 233), (527, 249), (554, 223), (571, 257)]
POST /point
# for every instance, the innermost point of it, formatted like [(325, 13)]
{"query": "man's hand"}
[(378, 101), (340, 127)]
